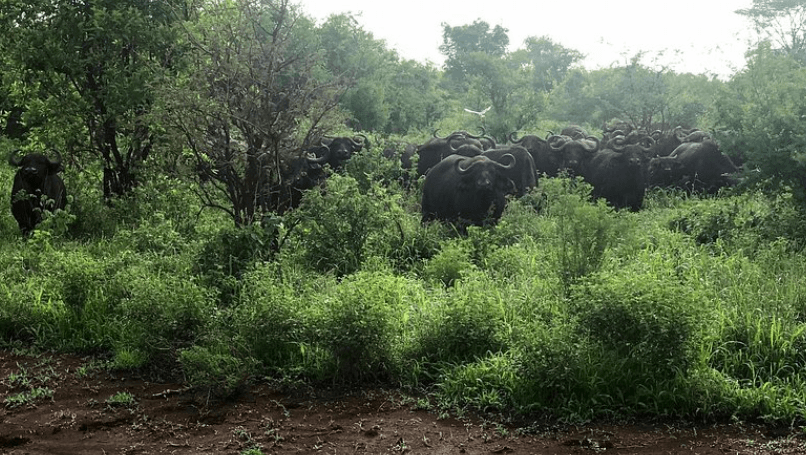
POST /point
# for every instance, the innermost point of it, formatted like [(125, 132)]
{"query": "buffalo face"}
[(37, 187)]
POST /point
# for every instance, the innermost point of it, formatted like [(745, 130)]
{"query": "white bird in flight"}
[(480, 114)]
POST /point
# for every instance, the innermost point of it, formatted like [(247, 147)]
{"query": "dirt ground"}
[(55, 404)]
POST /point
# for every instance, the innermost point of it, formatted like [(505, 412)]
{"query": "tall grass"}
[(690, 308)]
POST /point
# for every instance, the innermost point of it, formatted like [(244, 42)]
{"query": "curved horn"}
[(435, 133), (512, 161), (490, 141), (325, 156), (15, 158), (471, 162), (557, 139), (511, 138), (58, 160), (364, 143), (618, 143), (679, 133), (453, 136), (586, 143)]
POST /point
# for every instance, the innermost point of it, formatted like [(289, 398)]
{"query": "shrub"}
[(644, 330), (268, 318), (450, 264), (227, 255), (361, 324), (462, 324), (338, 227), (214, 370), (583, 230), (159, 314)]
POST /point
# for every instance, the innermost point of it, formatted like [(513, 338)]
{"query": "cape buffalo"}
[(572, 154), (547, 161), (340, 149), (522, 173), (37, 187), (619, 176), (301, 173), (694, 167), (437, 148), (466, 190)]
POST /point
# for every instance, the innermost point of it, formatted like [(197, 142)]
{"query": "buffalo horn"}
[(512, 161), (325, 156), (557, 141), (471, 162), (58, 159)]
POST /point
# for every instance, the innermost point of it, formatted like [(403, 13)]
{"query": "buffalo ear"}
[(55, 168), (507, 185)]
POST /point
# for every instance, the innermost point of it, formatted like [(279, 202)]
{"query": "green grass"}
[(691, 308)]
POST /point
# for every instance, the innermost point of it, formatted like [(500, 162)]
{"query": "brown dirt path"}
[(74, 415)]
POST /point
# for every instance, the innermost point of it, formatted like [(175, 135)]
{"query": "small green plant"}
[(583, 230), (121, 400), (29, 397), (450, 263), (214, 369)]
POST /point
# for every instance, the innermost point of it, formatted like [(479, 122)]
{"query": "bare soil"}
[(87, 413)]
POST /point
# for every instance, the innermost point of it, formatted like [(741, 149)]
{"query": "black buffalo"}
[(37, 187), (466, 190), (695, 167), (339, 150), (299, 174), (667, 141), (619, 176), (437, 148), (572, 153), (547, 160), (522, 173)]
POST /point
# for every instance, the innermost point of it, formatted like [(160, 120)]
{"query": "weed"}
[(121, 400)]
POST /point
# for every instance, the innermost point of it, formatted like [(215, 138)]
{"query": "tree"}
[(258, 96), (549, 62), (90, 66), (761, 113), (458, 43), (354, 54), (782, 22)]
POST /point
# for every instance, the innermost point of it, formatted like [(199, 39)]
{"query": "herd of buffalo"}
[(467, 178)]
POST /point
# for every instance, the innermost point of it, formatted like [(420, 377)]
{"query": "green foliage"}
[(226, 256), (748, 222), (645, 327), (268, 318), (583, 231), (361, 323), (460, 325), (159, 314), (761, 112), (340, 228), (121, 400), (487, 384), (450, 264), (213, 370)]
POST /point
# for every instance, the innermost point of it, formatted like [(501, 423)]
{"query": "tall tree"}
[(460, 42), (93, 64), (762, 109), (548, 61), (258, 96), (782, 22)]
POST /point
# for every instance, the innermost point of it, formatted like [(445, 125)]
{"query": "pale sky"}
[(696, 36)]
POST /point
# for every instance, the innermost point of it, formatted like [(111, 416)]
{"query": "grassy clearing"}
[(692, 308)]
